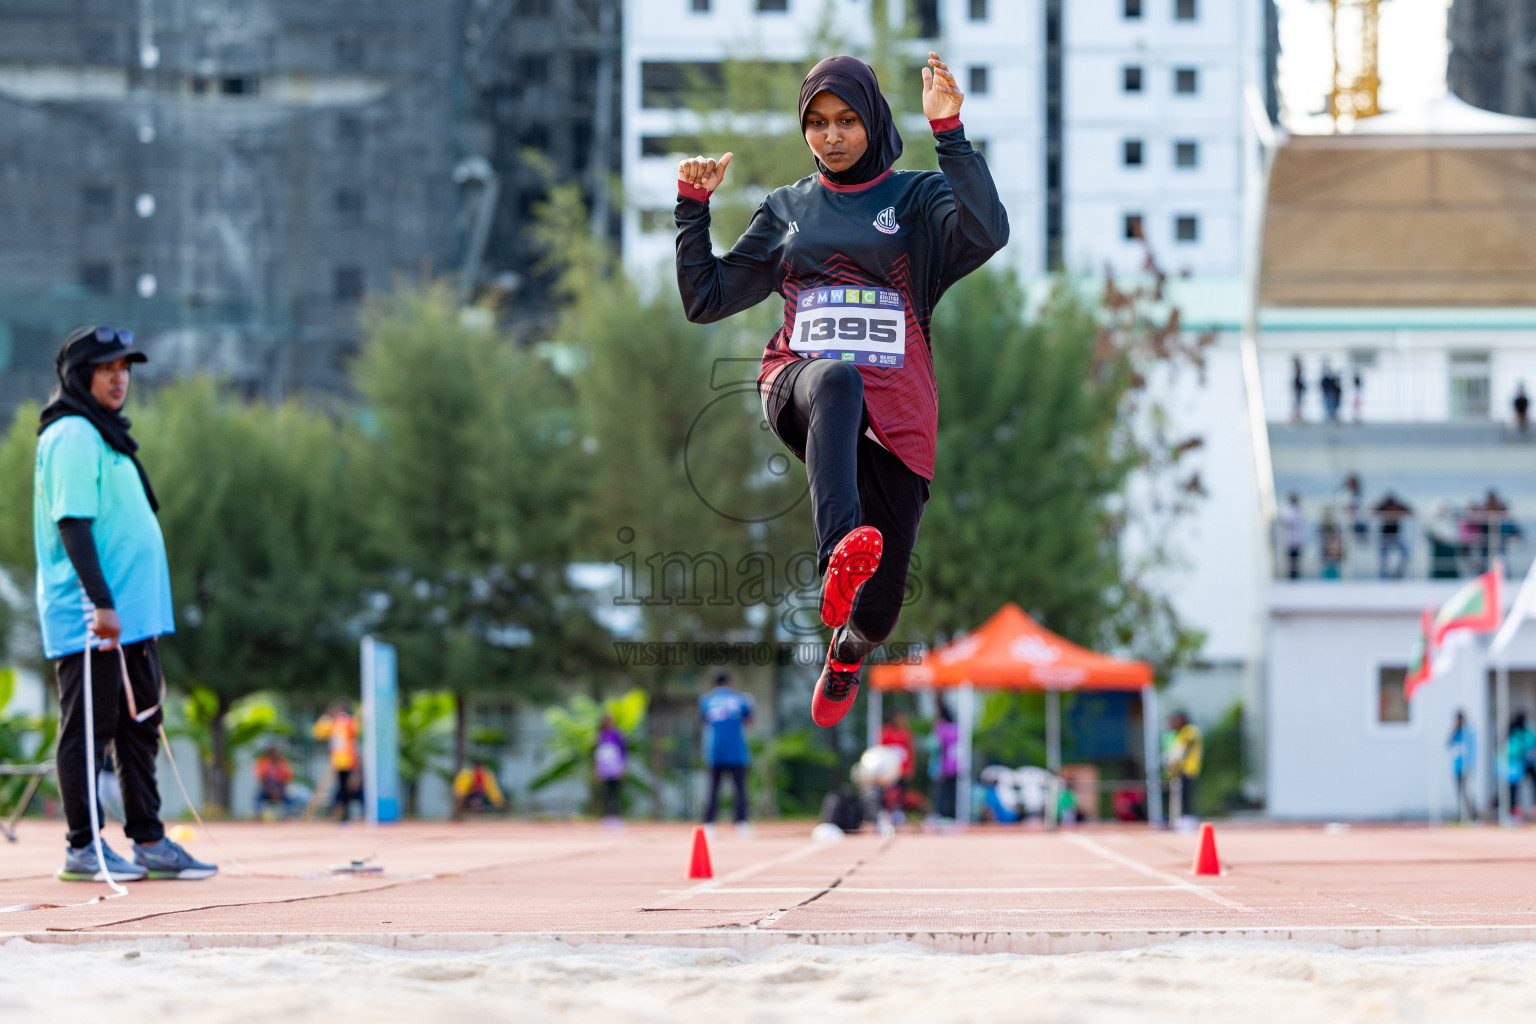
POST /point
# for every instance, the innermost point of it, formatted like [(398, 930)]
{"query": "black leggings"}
[(816, 408), (134, 744)]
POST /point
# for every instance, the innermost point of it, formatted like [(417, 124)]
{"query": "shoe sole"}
[(184, 875), (853, 562), (827, 713), (82, 876)]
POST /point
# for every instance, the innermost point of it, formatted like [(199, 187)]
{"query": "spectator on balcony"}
[(1444, 544), (1295, 530), (1352, 503), (1522, 405), (1298, 388), (1331, 546), (1333, 393), (1393, 514)]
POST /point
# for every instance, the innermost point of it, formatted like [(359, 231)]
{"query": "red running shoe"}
[(853, 562), (835, 691)]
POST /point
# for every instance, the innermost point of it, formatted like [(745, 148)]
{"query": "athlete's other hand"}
[(941, 93), (704, 172), (106, 625)]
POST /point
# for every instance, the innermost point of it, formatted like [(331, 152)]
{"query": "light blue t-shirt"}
[(724, 711), (80, 476)]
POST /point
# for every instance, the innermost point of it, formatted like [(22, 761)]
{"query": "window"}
[(978, 10), (1469, 385), (1132, 80), (1391, 694), (667, 145), (773, 5), (1133, 227), (1184, 10), (1186, 154), (700, 6), (349, 133), (1131, 153), (1186, 228), (96, 204), (349, 52), (534, 68), (979, 80), (670, 85), (96, 277), (927, 13), (534, 136), (1185, 81), (1132, 10), (349, 207), (238, 85), (347, 284)]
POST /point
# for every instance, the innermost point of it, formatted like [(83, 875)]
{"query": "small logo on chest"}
[(886, 222), (794, 228)]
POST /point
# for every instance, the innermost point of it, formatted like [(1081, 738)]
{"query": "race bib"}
[(867, 326)]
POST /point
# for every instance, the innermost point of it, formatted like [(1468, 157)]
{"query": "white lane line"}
[(940, 891), (1204, 892), (747, 872)]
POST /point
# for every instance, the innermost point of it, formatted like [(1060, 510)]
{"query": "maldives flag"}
[(1420, 667), (1476, 606)]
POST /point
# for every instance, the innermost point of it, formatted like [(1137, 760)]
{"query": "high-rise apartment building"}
[(229, 180), (1489, 64)]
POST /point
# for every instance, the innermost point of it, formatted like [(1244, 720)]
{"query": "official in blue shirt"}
[(103, 583), (725, 712)]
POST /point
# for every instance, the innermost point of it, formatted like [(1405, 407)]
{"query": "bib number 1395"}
[(867, 326)]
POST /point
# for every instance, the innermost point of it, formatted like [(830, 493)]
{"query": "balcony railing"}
[(1370, 549)]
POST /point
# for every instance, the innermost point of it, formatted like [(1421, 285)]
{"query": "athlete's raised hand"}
[(941, 93), (704, 172)]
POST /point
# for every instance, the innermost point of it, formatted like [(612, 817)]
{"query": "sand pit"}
[(532, 982)]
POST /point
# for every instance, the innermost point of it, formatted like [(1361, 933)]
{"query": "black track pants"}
[(818, 412), (133, 743)]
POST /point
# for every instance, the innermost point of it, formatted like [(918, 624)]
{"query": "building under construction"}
[(1490, 62), (229, 178)]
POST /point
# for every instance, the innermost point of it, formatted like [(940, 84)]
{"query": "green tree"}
[(470, 466), (260, 529), (426, 739), (573, 739), (1042, 431)]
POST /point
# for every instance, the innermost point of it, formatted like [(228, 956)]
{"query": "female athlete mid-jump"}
[(861, 253)]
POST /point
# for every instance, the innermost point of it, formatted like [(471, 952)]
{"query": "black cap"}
[(92, 346)]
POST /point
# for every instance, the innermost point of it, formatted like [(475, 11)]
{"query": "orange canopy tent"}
[(1011, 651)]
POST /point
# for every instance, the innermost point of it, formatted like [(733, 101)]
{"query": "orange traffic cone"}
[(698, 864), (1205, 860)]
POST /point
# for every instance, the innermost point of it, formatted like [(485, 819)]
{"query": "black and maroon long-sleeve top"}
[(901, 239)]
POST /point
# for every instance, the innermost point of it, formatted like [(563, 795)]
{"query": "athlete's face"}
[(834, 132), (109, 384)]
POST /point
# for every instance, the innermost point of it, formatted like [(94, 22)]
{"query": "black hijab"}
[(853, 82), (73, 397)]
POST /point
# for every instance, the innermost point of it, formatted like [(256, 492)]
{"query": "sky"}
[(1412, 58)]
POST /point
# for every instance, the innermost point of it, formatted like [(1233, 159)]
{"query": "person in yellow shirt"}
[(340, 729), (1182, 756), (475, 789)]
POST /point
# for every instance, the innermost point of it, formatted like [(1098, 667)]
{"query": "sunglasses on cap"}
[(107, 335)]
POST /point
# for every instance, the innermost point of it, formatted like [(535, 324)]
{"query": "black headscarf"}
[(853, 82), (73, 398)]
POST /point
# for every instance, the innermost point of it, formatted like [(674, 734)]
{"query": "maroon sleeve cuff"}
[(691, 191), (945, 124)]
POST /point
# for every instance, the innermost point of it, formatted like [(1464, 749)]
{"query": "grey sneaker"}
[(81, 866), (164, 859)]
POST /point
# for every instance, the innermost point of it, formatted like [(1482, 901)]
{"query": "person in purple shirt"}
[(944, 762), (610, 759)]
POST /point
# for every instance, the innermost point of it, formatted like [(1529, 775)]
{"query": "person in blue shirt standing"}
[(103, 583), (1463, 748), (726, 713)]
